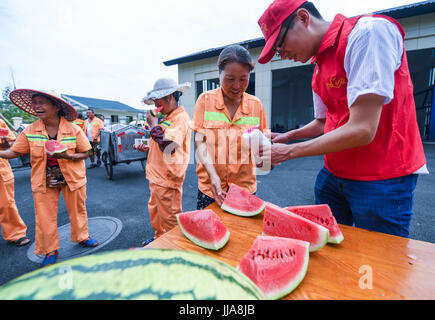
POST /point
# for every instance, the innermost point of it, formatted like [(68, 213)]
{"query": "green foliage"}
[(9, 111)]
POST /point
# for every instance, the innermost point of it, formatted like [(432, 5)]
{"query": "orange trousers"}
[(12, 226), (163, 205), (46, 206)]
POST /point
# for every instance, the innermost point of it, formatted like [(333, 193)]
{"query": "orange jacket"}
[(80, 123), (97, 125), (168, 169), (6, 173), (32, 141)]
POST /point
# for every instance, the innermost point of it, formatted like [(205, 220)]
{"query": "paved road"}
[(127, 195)]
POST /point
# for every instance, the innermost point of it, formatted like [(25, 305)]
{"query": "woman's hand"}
[(218, 194), (151, 120), (63, 155), (142, 147), (70, 156)]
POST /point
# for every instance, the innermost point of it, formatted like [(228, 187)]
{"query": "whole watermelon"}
[(134, 274)]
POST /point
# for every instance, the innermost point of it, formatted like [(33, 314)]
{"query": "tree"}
[(10, 111)]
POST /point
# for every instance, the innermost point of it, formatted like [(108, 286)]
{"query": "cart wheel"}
[(108, 165)]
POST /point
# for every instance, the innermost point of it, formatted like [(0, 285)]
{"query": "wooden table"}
[(366, 265)]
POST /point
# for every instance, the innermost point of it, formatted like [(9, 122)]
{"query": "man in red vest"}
[(365, 118)]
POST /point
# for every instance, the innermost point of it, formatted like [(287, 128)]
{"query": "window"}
[(206, 85), (114, 118)]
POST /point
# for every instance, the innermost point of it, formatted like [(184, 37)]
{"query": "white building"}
[(284, 87), (113, 111)]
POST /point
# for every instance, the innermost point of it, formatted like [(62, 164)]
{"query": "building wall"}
[(420, 34)]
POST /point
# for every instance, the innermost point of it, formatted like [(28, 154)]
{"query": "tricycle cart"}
[(117, 146)]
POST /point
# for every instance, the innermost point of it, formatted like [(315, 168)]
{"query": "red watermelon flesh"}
[(53, 146), (276, 265), (320, 214), (4, 132), (240, 202), (283, 223), (204, 228)]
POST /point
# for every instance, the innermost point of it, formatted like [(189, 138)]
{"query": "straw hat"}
[(22, 98), (164, 87)]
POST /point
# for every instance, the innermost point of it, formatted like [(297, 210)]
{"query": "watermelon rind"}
[(322, 231), (205, 244), (143, 274), (291, 286), (243, 213), (256, 205), (336, 240)]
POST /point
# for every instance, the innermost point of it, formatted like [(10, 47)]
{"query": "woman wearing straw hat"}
[(63, 172), (168, 155)]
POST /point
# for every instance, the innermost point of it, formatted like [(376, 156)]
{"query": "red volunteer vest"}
[(397, 149)]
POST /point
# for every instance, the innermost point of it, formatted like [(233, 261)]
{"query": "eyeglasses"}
[(278, 52)]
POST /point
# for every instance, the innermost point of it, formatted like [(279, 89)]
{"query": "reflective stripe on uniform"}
[(166, 123), (69, 140), (218, 116), (36, 137)]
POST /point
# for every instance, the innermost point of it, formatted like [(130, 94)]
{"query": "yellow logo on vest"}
[(336, 82), (264, 28)]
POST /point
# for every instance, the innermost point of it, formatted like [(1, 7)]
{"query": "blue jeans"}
[(384, 205)]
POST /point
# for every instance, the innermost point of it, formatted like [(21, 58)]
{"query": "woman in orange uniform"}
[(63, 172), (12, 226), (221, 116), (168, 156)]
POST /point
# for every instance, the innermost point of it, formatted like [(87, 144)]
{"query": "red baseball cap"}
[(270, 23)]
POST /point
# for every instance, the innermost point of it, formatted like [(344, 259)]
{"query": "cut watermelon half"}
[(283, 223), (53, 146), (240, 202), (204, 228), (320, 214), (4, 132), (276, 265)]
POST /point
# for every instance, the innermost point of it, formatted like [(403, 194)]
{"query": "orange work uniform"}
[(97, 125), (46, 199), (232, 160), (166, 171), (12, 226), (80, 123)]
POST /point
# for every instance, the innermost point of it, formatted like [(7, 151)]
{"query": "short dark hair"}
[(91, 110), (235, 53), (177, 95), (309, 6)]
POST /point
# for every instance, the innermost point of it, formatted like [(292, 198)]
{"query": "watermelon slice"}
[(4, 132), (320, 214), (53, 146), (240, 202), (156, 112), (276, 265), (204, 228), (283, 223)]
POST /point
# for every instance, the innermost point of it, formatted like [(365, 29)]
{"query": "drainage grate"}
[(104, 229)]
